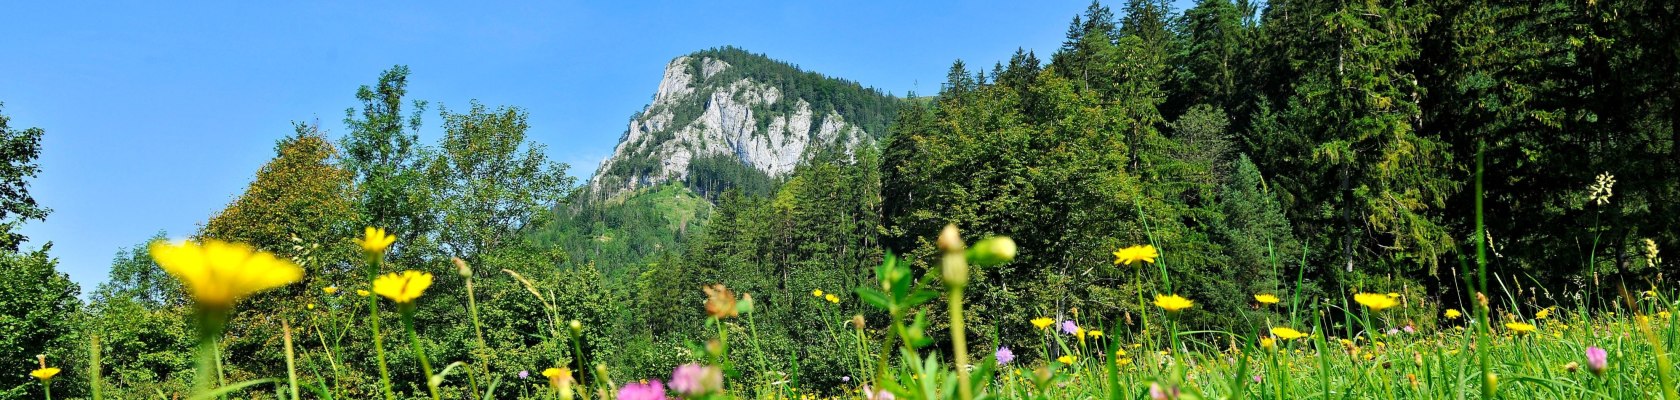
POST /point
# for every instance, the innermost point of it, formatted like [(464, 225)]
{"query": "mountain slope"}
[(727, 105), (720, 119)]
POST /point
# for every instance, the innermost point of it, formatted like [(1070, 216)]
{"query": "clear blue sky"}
[(157, 116)]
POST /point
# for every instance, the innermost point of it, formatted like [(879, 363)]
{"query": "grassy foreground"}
[(1361, 346)]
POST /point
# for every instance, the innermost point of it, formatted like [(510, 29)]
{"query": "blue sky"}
[(156, 117)]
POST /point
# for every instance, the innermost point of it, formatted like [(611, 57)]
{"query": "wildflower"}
[(1286, 333), (832, 298), (374, 241), (1257, 379), (1265, 298), (1571, 366), (1129, 255), (1408, 329), (1453, 313), (1043, 322), (1122, 361), (816, 293), (1651, 258), (523, 374), (45, 373), (720, 302), (1393, 295), (1519, 327), (1267, 343), (696, 380), (1600, 191), (1597, 360), (363, 292), (846, 378), (1005, 355), (403, 287), (330, 290), (1172, 303), (310, 306), (1375, 302), (870, 394), (1067, 359), (1096, 334), (1156, 392), (653, 390), (1069, 327), (219, 273)]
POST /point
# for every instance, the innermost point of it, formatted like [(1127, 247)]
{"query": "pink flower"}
[(882, 394), (654, 390), (694, 379), (1597, 360), (1156, 392)]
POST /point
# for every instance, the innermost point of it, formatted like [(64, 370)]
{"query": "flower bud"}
[(857, 321), (992, 251), (1597, 360), (950, 241), (576, 326), (745, 306), (461, 267)]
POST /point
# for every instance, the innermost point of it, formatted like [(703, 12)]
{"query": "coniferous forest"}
[(1281, 200)]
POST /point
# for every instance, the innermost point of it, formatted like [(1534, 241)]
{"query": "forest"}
[(1288, 199)]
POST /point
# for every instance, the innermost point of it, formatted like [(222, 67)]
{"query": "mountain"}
[(720, 119), (726, 118)]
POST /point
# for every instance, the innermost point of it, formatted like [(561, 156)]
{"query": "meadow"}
[(1363, 345)]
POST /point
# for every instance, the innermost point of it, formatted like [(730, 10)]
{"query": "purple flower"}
[(1005, 355), (694, 379), (847, 378), (642, 391), (524, 374), (1597, 360), (1392, 331), (1257, 379), (882, 394), (1069, 327), (1156, 392), (1408, 329)]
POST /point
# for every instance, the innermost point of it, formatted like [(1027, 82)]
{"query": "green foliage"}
[(40, 314), (490, 183), (18, 151), (387, 164)]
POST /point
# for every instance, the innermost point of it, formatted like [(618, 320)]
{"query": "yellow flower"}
[(1519, 327), (1119, 352), (552, 373), (44, 373), (816, 293), (1287, 333), (1123, 361), (1543, 313), (375, 240), (402, 287), (1129, 255), (330, 290), (1267, 343), (218, 273), (1375, 302), (362, 292), (1264, 298), (1067, 359), (1043, 322), (1172, 303), (1096, 334), (831, 298), (1394, 295), (310, 306), (1453, 313)]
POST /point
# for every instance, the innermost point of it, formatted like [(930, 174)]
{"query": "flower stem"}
[(210, 324), (959, 343), (373, 320), (414, 339), (47, 386)]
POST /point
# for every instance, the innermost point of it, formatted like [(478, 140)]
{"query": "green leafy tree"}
[(18, 151), (387, 163), (40, 314), (491, 184)]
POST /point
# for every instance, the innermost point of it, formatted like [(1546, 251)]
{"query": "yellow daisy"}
[(1129, 255), (1172, 303), (1067, 359), (1375, 302), (403, 287), (44, 373), (1453, 313), (1265, 298), (375, 240), (1043, 322), (1519, 327), (218, 273), (1287, 333)]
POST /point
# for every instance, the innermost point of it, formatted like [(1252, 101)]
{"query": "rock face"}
[(702, 110)]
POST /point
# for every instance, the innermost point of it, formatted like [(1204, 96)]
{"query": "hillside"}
[(720, 119)]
